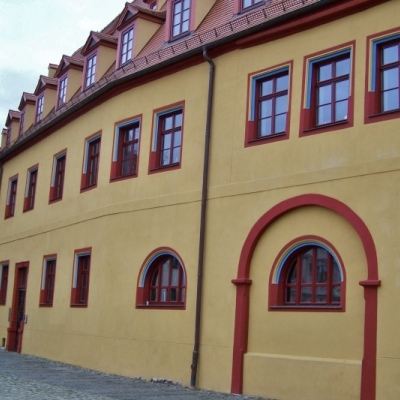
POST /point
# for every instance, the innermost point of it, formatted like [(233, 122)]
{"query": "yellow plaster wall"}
[(50, 98), (29, 116), (105, 59), (201, 8), (143, 32), (358, 166), (74, 83), (14, 130)]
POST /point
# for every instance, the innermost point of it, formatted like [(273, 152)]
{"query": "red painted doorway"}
[(16, 328)]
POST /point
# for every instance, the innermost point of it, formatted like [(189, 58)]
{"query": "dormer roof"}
[(139, 9), (45, 82), (27, 98), (69, 62), (13, 116), (97, 38)]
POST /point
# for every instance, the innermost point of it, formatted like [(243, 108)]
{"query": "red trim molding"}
[(242, 282)]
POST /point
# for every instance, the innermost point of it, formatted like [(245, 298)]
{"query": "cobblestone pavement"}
[(24, 377)]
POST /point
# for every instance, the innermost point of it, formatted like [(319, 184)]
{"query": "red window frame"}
[(11, 197), (57, 181), (90, 73), (39, 108), (125, 161), (91, 163), (62, 90), (304, 291), (180, 18), (163, 283), (167, 143), (316, 90), (48, 280), (126, 45), (375, 110), (30, 193), (81, 278), (3, 282)]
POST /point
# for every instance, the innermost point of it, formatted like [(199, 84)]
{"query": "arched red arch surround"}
[(242, 282)]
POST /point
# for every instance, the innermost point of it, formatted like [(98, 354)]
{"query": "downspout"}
[(204, 190)]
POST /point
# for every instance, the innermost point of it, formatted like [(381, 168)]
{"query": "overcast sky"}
[(34, 33)]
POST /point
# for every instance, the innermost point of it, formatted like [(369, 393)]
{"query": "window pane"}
[(178, 120), (335, 273), (165, 273), (282, 83), (266, 127), (343, 67), (391, 78), (177, 138), (185, 26), (390, 54), (168, 122), (324, 115), (266, 108), (341, 110), (186, 4), (185, 15), (246, 3), (266, 88), (291, 295), (183, 294), (281, 104), (292, 275), (391, 100), (336, 293), (342, 90), (280, 123), (324, 72), (173, 294), (178, 7), (127, 151), (153, 295), (175, 30), (320, 294), (306, 267), (167, 141), (322, 265), (176, 155), (154, 281), (325, 95), (175, 275), (306, 294), (165, 157), (164, 295)]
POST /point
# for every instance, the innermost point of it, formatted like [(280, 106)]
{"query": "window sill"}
[(327, 127), (46, 305), (27, 209), (51, 201), (79, 305), (176, 38), (87, 188), (267, 139), (163, 168), (123, 177), (306, 308), (8, 216), (159, 306), (383, 116)]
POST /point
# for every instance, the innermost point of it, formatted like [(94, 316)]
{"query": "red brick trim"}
[(368, 372)]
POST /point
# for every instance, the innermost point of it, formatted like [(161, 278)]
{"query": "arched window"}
[(162, 283), (312, 277), (167, 283), (307, 273)]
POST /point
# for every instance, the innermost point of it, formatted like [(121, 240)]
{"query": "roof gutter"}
[(197, 51), (203, 213)]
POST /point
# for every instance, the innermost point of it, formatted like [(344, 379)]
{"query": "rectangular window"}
[(383, 87), (90, 70), (48, 280), (21, 123), (328, 96), (80, 286), (11, 197), (3, 283), (91, 163), (126, 46), (57, 179), (180, 17), (167, 140), (30, 192), (126, 150), (268, 108), (62, 91), (39, 108)]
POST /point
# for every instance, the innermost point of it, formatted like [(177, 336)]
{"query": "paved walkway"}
[(24, 377)]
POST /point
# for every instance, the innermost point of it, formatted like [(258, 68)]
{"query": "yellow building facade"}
[(216, 206)]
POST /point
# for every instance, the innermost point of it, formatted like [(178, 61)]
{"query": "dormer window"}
[(62, 91), (180, 17), (250, 3), (126, 45), (90, 70), (39, 108)]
